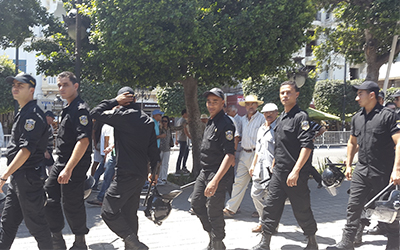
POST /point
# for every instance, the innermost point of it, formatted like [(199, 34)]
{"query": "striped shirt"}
[(249, 129)]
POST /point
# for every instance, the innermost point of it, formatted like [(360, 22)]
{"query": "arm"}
[(395, 176), (212, 186), (253, 164), (21, 157), (352, 149), (294, 174), (237, 140), (186, 131), (77, 153)]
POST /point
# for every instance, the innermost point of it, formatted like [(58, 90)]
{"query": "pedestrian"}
[(25, 155), (375, 134), (250, 124), (182, 138), (216, 157), (293, 144), (105, 137), (396, 100), (135, 146), (157, 114), (261, 167), (67, 176), (97, 158), (48, 154)]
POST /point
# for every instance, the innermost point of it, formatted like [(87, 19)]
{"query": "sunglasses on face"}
[(164, 121)]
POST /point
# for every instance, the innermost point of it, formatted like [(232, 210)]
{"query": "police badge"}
[(83, 120), (305, 125), (29, 124), (229, 135)]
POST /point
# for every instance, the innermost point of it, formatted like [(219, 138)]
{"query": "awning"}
[(319, 115)]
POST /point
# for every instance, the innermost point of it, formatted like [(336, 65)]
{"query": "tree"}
[(17, 18), (6, 98), (328, 97), (363, 34), (95, 92), (267, 89)]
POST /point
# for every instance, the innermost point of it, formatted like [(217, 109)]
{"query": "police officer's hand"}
[(348, 172), (211, 188), (64, 176), (150, 178), (124, 99), (395, 177), (292, 179)]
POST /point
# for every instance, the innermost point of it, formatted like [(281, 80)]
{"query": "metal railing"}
[(332, 138)]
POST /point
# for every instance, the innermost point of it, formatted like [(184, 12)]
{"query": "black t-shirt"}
[(292, 133), (30, 131), (75, 125), (374, 136), (217, 141)]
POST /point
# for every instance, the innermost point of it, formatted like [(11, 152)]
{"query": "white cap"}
[(269, 107)]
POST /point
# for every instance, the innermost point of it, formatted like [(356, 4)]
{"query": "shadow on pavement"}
[(102, 246)]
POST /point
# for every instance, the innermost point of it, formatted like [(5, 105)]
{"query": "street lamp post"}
[(300, 74), (143, 94)]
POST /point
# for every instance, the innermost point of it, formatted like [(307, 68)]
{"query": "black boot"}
[(264, 243), (218, 245), (58, 241), (392, 243), (358, 238), (132, 242), (345, 244), (79, 243), (312, 243)]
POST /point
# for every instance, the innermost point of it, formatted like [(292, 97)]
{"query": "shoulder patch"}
[(305, 125), (29, 124), (83, 119), (229, 135), (82, 106)]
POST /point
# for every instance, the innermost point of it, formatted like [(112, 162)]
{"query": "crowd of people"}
[(271, 149)]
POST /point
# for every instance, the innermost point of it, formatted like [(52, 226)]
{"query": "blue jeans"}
[(98, 173), (108, 176)]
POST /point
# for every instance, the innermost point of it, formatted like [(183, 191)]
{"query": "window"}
[(21, 65)]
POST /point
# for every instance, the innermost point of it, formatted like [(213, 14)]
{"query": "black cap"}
[(381, 94), (22, 77), (215, 91), (396, 94), (49, 113), (126, 89), (367, 85)]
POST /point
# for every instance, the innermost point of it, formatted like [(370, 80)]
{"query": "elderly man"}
[(261, 167), (250, 124)]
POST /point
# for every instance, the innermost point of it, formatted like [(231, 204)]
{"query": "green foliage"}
[(6, 98), (172, 100), (94, 92), (328, 96), (390, 92), (267, 89), (17, 18)]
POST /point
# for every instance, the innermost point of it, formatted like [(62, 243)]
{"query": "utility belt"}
[(251, 150)]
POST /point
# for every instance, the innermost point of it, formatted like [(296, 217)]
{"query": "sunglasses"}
[(164, 121)]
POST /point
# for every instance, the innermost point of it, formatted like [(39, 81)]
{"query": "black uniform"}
[(25, 195), (135, 145), (292, 133), (375, 163), (217, 142), (75, 125)]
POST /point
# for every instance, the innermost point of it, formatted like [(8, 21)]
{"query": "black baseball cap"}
[(215, 91), (126, 89), (396, 94), (367, 85), (22, 77), (381, 94), (49, 113)]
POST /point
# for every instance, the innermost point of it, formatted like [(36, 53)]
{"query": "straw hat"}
[(204, 116), (250, 98)]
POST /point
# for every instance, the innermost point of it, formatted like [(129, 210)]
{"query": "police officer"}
[(135, 145), (375, 133), (67, 176), (396, 100), (216, 156), (25, 153), (293, 145)]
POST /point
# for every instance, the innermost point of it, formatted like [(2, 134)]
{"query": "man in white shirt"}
[(249, 127)]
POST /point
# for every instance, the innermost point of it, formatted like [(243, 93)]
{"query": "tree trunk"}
[(192, 107)]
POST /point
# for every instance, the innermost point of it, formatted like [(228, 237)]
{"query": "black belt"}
[(249, 150)]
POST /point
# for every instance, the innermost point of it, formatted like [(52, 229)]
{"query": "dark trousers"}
[(120, 205), (361, 189), (25, 201), (299, 197), (209, 209), (317, 176), (183, 154), (71, 197)]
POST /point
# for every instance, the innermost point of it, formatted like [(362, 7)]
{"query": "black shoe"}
[(358, 238), (345, 244), (264, 243), (79, 243), (132, 242), (58, 241), (377, 230), (312, 243)]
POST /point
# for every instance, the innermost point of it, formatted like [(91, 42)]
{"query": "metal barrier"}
[(332, 138)]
